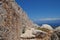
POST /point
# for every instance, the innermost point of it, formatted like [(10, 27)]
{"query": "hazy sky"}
[(39, 9)]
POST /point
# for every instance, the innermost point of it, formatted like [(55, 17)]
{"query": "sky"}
[(41, 9)]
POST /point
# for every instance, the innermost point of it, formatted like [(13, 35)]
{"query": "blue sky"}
[(41, 9)]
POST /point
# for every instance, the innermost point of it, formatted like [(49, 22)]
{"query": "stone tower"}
[(12, 20)]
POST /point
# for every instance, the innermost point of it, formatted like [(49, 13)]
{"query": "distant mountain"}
[(53, 23)]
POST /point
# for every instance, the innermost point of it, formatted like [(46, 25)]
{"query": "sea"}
[(52, 23)]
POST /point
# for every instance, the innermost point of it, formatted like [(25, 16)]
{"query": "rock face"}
[(54, 37), (28, 33), (57, 31), (47, 26), (13, 20)]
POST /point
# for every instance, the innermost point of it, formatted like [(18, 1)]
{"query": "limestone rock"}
[(39, 34), (28, 33), (57, 31), (47, 26), (57, 28), (13, 20), (54, 37)]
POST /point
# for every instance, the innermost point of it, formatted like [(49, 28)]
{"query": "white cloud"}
[(47, 19)]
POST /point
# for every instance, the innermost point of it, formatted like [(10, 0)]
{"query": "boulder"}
[(47, 26), (57, 31)]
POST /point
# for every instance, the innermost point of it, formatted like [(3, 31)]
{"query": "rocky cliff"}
[(13, 20)]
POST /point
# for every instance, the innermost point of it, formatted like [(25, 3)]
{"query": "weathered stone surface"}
[(54, 37), (12, 20), (47, 26), (57, 31)]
